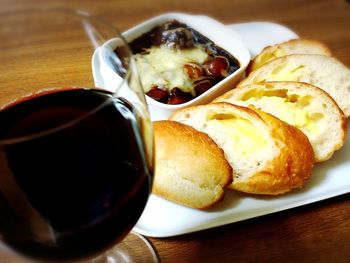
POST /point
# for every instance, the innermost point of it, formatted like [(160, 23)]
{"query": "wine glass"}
[(76, 161)]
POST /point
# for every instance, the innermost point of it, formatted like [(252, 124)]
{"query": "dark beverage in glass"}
[(74, 176)]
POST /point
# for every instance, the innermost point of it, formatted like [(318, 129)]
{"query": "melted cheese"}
[(163, 67), (298, 111), (245, 137), (266, 57), (287, 73), (286, 111)]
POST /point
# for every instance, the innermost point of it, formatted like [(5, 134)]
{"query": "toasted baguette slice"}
[(294, 46), (324, 72), (302, 105), (190, 169), (267, 155)]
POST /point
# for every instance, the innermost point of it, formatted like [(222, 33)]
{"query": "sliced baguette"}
[(268, 156), (302, 105), (324, 72), (190, 169), (294, 46)]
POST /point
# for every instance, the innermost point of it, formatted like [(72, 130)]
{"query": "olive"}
[(177, 96), (202, 86), (157, 94), (218, 66)]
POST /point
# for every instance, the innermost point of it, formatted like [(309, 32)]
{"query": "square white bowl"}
[(217, 32)]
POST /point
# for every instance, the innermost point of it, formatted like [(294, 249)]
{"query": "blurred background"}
[(302, 16)]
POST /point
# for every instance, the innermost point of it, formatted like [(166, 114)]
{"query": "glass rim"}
[(46, 89)]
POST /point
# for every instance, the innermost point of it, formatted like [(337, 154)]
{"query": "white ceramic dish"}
[(222, 36), (162, 218)]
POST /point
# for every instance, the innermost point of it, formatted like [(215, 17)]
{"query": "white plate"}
[(162, 218), (257, 35)]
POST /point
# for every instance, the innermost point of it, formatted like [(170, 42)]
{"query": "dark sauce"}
[(76, 191), (177, 35)]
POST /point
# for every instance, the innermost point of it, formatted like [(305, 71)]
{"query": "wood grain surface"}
[(318, 232)]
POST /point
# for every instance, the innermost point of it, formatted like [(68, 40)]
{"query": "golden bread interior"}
[(300, 110)]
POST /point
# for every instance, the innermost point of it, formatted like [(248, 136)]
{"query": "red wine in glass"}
[(74, 175)]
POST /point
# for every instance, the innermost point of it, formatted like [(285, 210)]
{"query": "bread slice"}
[(302, 105), (324, 72), (294, 46), (267, 155), (190, 169)]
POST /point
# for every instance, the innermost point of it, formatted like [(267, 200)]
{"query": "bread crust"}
[(293, 46), (290, 169), (190, 169), (333, 133), (327, 73), (288, 160)]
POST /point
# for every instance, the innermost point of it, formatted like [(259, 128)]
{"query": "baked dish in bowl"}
[(182, 60)]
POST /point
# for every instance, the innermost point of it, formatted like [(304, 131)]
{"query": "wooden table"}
[(318, 232)]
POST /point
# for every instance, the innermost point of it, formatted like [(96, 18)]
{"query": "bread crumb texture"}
[(267, 155)]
